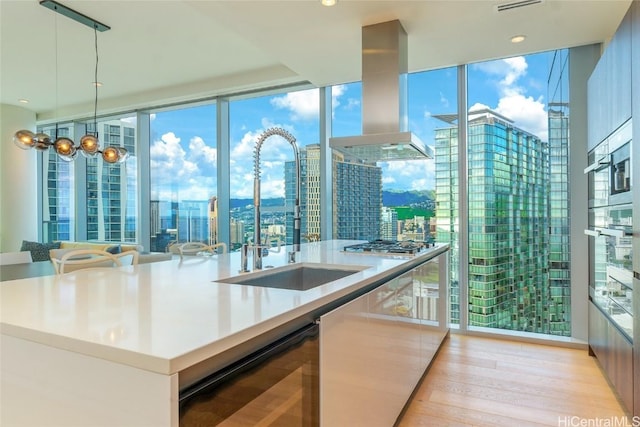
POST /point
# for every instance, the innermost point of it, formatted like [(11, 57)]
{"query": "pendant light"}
[(89, 144)]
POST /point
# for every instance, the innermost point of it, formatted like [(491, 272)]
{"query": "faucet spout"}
[(256, 189)]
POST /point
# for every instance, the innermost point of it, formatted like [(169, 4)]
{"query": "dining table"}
[(26, 270)]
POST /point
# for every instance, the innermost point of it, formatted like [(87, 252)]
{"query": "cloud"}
[(526, 112), (179, 174), (199, 150), (408, 175), (274, 152), (337, 93), (508, 71), (303, 105), (444, 101)]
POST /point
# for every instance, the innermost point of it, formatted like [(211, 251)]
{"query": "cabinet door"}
[(596, 104), (375, 349), (609, 87), (618, 74), (635, 188), (369, 359), (431, 282), (614, 353)]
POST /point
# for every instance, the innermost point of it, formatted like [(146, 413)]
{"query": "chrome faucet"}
[(257, 254)]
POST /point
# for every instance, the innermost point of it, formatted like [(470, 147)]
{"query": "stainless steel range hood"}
[(385, 134)]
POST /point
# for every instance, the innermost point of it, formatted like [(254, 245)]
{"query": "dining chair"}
[(8, 258), (201, 249), (91, 258)]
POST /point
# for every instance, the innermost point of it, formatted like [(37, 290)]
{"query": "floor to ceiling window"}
[(297, 113), (183, 193), (510, 173), (518, 184)]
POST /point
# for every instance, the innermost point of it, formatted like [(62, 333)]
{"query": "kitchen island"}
[(115, 347)]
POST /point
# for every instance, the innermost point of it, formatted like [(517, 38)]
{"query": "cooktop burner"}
[(407, 247)]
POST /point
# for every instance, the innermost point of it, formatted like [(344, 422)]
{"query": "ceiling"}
[(162, 52)]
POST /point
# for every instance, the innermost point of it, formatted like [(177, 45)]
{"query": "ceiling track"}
[(503, 7)]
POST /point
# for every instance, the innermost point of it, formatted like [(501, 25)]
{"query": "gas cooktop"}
[(405, 247)]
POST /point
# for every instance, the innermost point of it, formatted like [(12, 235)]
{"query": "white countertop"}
[(167, 316)]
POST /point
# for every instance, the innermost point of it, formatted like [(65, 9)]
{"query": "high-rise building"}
[(559, 195), (358, 193), (237, 233), (193, 221), (357, 196), (213, 220), (559, 218), (111, 192), (415, 228), (58, 206), (508, 182), (389, 224)]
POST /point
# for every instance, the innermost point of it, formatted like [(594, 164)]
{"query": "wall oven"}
[(610, 229)]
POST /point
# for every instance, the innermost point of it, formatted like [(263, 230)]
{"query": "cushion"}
[(39, 251), (100, 245), (115, 249)]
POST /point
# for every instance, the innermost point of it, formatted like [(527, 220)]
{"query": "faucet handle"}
[(244, 255), (292, 257)]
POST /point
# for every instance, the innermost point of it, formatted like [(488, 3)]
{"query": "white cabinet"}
[(375, 349)]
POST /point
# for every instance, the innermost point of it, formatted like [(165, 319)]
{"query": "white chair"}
[(92, 258), (8, 258), (201, 249)]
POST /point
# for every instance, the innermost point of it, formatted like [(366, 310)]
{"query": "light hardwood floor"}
[(478, 381)]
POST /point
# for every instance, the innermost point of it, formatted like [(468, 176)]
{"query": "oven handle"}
[(593, 233), (614, 232), (597, 166)]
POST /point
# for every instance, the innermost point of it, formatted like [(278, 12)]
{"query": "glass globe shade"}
[(65, 148), (89, 145), (42, 141), (124, 154), (111, 155), (24, 139)]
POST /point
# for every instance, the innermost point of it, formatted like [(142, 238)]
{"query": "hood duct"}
[(385, 134)]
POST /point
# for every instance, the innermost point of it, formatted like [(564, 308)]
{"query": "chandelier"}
[(64, 147)]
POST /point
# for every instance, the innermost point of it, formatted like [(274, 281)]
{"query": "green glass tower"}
[(509, 221)]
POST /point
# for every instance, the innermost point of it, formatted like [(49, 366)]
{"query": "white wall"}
[(18, 181)]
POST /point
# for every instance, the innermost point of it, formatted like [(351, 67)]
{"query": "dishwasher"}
[(277, 385)]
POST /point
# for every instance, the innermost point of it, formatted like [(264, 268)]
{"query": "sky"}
[(183, 152)]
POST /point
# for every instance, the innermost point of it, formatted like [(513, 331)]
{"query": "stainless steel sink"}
[(299, 277)]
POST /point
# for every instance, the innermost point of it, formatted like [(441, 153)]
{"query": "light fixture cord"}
[(55, 25), (95, 82)]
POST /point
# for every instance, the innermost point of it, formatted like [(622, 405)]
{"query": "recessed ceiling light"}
[(518, 39), (23, 101), (329, 2)]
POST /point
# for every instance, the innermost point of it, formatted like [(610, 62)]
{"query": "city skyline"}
[(183, 141)]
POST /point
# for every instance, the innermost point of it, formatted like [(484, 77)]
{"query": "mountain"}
[(389, 198), (241, 203), (405, 198)]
